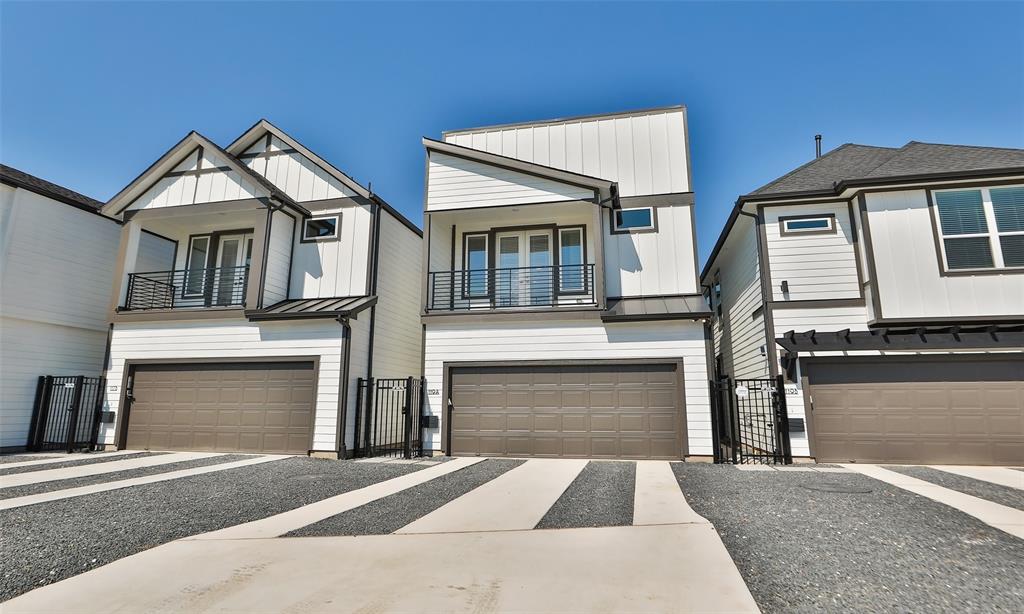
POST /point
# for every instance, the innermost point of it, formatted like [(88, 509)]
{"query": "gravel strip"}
[(100, 458), (51, 541), (21, 458), (1003, 495), (103, 478), (388, 514), (884, 550), (600, 496)]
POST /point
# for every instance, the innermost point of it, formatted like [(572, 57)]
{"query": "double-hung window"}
[(981, 228)]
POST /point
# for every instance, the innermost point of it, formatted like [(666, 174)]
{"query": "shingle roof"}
[(22, 179), (851, 162)]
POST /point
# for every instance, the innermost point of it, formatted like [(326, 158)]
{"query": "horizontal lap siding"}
[(398, 333), (568, 340), (279, 256), (228, 340), (457, 183), (155, 254), (816, 266), (743, 333)]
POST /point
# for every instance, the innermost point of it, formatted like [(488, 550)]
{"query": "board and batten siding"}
[(192, 190), (508, 342), (335, 268), (645, 152), (652, 263), (279, 257), (398, 337), (742, 318), (295, 174), (909, 283), (816, 266), (227, 340), (458, 183)]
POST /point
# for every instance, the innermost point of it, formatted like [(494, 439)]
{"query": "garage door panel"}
[(602, 411), (918, 410), (250, 407)]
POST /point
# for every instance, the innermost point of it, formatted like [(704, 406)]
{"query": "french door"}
[(524, 275)]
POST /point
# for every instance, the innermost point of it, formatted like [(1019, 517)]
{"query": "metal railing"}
[(217, 287), (537, 286)]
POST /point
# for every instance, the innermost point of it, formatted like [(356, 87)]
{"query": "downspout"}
[(346, 339), (375, 256)]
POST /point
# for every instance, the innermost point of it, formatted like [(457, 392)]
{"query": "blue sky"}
[(92, 93)]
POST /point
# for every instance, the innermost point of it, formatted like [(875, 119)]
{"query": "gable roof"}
[(123, 199), (20, 179)]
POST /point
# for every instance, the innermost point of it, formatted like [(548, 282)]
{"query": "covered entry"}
[(227, 407), (586, 410), (948, 409)]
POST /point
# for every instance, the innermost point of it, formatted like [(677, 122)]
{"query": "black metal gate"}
[(749, 421), (388, 417), (66, 415)]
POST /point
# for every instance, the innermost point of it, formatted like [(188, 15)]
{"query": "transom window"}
[(634, 219), (981, 228), (808, 224), (320, 228)]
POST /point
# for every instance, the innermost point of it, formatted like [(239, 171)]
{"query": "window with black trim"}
[(321, 228), (808, 224), (634, 219), (196, 265), (475, 265), (981, 228), (572, 275)]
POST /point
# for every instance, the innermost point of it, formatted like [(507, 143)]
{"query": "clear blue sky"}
[(93, 93)]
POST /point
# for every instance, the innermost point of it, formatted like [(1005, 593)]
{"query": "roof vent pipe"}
[(817, 145)]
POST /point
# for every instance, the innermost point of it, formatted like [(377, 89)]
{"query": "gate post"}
[(37, 405), (44, 413), (734, 420), (371, 395), (76, 406), (419, 413), (356, 435), (94, 431), (407, 417), (782, 420)]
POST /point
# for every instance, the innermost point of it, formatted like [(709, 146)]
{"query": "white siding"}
[(29, 349), (154, 254), (817, 266), (205, 188), (909, 283), (457, 183), (295, 174), (279, 256), (573, 340), (820, 319), (398, 334), (644, 152), (742, 335), (650, 263), (335, 268), (231, 339)]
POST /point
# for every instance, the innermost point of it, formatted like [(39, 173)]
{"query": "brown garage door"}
[(581, 411), (245, 407), (924, 410)]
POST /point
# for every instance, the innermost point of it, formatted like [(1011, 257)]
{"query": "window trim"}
[(585, 287), (188, 262), (312, 218), (466, 286), (614, 227), (833, 226), (992, 234)]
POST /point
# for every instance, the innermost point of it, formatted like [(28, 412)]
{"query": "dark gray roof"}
[(673, 307), (301, 308), (32, 183), (851, 162)]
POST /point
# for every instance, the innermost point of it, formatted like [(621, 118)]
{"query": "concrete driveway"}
[(474, 535)]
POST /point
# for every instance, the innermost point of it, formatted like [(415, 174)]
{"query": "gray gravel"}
[(884, 550), (52, 541), (99, 457), (388, 514), (20, 458), (32, 489), (600, 496), (1003, 495)]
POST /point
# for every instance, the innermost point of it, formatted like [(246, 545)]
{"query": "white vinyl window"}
[(320, 228), (981, 228)]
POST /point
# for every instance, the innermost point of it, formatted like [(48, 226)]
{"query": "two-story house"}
[(254, 284), (887, 286), (562, 312), (56, 256)]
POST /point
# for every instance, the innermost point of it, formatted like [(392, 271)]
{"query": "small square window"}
[(808, 224), (320, 229), (634, 219)]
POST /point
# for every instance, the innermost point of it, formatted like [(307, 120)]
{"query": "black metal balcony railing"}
[(539, 286), (218, 287)]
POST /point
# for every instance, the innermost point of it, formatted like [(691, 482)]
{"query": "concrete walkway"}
[(1002, 476), (999, 516), (50, 475), (48, 458)]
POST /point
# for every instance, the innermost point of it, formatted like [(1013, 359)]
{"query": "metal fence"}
[(219, 287), (750, 424), (389, 416), (537, 286), (67, 412)]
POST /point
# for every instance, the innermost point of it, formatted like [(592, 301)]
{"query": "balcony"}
[(506, 288), (216, 287)]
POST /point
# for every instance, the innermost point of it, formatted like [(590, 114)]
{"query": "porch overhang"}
[(654, 308), (335, 308)]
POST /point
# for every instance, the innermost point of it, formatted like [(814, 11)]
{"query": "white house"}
[(887, 286), (562, 311), (56, 262), (254, 284)]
